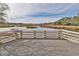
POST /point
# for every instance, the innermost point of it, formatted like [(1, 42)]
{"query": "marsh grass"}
[(71, 28)]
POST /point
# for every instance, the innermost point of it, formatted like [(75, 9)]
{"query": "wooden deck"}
[(37, 43), (32, 47)]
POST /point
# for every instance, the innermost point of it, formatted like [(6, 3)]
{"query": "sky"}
[(41, 12)]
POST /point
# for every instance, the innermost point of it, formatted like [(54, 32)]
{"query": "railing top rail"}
[(35, 30), (70, 31)]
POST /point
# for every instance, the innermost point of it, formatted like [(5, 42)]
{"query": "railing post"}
[(21, 34), (16, 34), (45, 34), (34, 34), (59, 34)]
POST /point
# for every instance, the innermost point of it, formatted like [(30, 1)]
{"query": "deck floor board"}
[(32, 47)]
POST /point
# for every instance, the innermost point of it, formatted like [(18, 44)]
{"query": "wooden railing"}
[(7, 36), (70, 35), (35, 34)]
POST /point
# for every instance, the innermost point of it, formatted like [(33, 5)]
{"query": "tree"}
[(68, 24), (59, 23), (3, 8)]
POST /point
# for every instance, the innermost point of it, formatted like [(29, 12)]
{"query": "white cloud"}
[(65, 8), (21, 9)]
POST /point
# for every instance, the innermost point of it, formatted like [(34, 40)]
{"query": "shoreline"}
[(72, 28)]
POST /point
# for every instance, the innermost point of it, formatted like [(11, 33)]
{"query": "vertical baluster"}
[(34, 34), (16, 34), (45, 34), (21, 34), (59, 34)]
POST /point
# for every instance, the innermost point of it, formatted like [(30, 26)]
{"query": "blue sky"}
[(41, 12)]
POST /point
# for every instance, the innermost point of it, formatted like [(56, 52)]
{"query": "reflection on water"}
[(42, 28), (24, 28)]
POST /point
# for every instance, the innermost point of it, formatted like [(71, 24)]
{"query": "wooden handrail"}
[(34, 33), (62, 34), (70, 34)]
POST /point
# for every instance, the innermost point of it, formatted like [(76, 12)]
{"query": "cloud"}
[(37, 12), (65, 8), (19, 9)]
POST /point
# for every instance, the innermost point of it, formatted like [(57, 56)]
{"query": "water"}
[(24, 28), (43, 28)]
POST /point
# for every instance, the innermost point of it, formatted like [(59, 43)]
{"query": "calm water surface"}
[(24, 28)]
